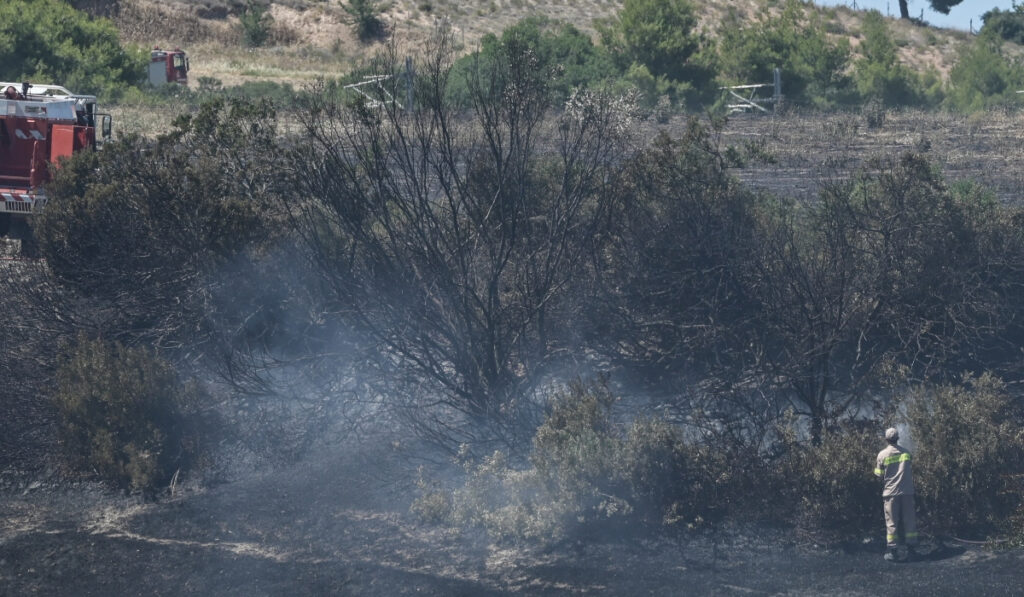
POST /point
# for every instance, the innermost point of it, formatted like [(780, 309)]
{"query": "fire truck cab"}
[(39, 124), (168, 66)]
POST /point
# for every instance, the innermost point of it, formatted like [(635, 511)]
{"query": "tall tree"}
[(451, 241), (942, 6)]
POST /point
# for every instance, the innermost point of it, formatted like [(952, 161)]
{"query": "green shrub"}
[(587, 473), (969, 444), (365, 17), (48, 41), (673, 481), (881, 77), (256, 23), (570, 484), (813, 67), (984, 76), (661, 36), (125, 414), (829, 487), (561, 53), (1006, 24)]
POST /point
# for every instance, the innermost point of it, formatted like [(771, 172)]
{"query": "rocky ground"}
[(339, 524)]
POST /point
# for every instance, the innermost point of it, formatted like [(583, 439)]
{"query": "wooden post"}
[(777, 85), (408, 83)]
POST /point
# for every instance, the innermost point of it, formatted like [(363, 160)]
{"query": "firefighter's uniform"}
[(893, 466)]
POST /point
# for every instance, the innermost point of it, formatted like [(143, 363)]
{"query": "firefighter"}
[(894, 468)]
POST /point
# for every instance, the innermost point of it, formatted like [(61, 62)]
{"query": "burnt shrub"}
[(828, 486), (585, 474), (968, 454), (673, 481), (571, 481), (125, 414)]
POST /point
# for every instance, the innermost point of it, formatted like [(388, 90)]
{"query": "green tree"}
[(661, 36), (880, 75), (984, 76), (48, 41), (256, 21), (942, 6), (364, 15), (1008, 24), (813, 67), (567, 57)]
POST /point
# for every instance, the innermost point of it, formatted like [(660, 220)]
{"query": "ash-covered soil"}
[(339, 525), (794, 154)]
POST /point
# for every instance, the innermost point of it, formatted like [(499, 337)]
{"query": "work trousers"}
[(899, 516)]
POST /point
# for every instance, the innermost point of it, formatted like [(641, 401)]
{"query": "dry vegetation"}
[(339, 521), (796, 152), (311, 38)]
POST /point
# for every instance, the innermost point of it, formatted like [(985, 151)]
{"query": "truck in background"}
[(168, 66)]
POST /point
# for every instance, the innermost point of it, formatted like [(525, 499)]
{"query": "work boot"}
[(890, 555)]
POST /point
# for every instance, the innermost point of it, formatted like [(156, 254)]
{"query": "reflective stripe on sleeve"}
[(878, 472)]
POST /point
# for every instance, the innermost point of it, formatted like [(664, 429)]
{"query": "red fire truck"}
[(168, 66), (39, 124)]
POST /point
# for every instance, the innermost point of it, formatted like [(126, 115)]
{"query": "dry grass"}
[(311, 38), (143, 119)]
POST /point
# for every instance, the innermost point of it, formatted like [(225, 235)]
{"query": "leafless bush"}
[(452, 240)]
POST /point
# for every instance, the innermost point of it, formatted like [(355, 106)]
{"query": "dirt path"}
[(331, 529)]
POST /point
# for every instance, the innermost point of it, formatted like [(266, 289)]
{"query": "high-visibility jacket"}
[(893, 465)]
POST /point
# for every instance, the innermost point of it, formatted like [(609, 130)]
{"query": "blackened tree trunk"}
[(904, 10)]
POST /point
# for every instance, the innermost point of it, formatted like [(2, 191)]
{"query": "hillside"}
[(311, 38)]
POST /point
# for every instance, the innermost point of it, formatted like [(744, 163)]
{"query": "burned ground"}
[(339, 523), (792, 154), (335, 525)]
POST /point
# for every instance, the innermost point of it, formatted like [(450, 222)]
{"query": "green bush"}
[(829, 488), (179, 213), (813, 67), (881, 77), (365, 18), (969, 446), (661, 36), (125, 414), (673, 481), (48, 41), (256, 23), (984, 76), (561, 53), (1006, 24), (572, 481), (586, 473)]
